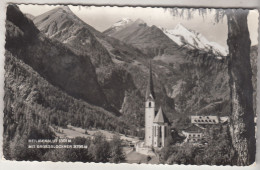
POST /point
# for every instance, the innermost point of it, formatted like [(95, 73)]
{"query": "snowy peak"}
[(122, 23), (180, 27), (193, 40), (139, 21), (62, 9)]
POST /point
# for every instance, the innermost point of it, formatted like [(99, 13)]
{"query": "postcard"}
[(123, 84)]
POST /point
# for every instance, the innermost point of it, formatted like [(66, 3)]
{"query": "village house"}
[(195, 132)]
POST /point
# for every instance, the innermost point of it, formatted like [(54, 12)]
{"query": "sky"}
[(103, 17)]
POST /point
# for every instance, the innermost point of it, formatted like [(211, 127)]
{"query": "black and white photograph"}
[(130, 84)]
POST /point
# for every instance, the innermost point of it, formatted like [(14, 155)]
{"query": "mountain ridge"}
[(51, 59), (151, 40), (171, 64), (122, 23), (192, 39)]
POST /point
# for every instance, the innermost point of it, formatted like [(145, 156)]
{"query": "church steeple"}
[(150, 90)]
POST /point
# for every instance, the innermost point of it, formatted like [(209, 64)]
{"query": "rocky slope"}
[(193, 40), (124, 22), (63, 68), (63, 25), (187, 80), (151, 40), (120, 79)]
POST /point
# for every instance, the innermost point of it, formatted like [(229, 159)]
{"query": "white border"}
[(64, 166)]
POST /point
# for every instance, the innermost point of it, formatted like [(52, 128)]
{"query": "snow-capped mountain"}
[(194, 40), (122, 23)]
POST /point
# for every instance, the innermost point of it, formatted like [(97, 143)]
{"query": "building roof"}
[(204, 119), (149, 89), (194, 129), (160, 117), (224, 119)]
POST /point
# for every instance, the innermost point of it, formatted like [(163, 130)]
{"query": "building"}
[(204, 120), (156, 123), (193, 134), (209, 120)]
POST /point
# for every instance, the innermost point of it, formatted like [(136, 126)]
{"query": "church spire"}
[(149, 90)]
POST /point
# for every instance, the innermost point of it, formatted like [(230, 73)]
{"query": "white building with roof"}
[(204, 119), (207, 120), (193, 133)]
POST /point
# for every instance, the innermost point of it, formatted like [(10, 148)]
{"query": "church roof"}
[(160, 117), (149, 89)]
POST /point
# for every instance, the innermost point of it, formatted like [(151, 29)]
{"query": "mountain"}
[(179, 72), (193, 40), (72, 73), (29, 16), (124, 22), (124, 79), (40, 94), (61, 24), (151, 40)]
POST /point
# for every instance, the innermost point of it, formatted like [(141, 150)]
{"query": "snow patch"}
[(192, 39)]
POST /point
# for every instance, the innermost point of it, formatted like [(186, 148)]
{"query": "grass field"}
[(135, 157), (72, 132)]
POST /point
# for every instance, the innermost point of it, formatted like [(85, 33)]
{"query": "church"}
[(156, 123)]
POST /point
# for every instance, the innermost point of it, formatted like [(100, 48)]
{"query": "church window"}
[(150, 104), (154, 131), (160, 131)]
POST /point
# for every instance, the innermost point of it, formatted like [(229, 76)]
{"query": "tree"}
[(219, 150), (116, 150), (242, 115), (240, 72), (99, 148)]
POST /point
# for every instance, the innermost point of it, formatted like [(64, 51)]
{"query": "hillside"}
[(63, 68), (193, 40), (64, 26), (121, 80), (32, 105), (124, 22), (186, 80), (151, 40)]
